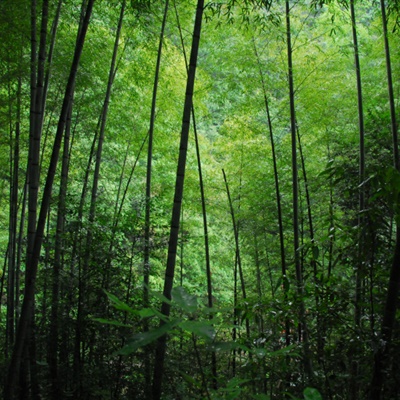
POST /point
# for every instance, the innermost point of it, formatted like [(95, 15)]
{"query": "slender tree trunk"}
[(237, 249), (149, 163), (357, 314), (389, 315), (76, 256), (331, 232), (33, 260), (258, 280), (179, 184), (36, 118), (392, 104), (54, 324), (146, 263), (235, 314), (53, 338), (206, 245), (298, 267), (354, 387), (263, 374), (12, 247), (19, 252), (314, 255), (82, 306), (238, 268), (309, 214), (53, 35), (203, 207), (34, 145), (278, 195)]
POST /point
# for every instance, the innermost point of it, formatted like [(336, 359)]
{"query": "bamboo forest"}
[(199, 199)]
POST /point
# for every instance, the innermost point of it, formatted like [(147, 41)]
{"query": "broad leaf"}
[(184, 300), (147, 312), (111, 322), (120, 305), (312, 394), (160, 296), (145, 338), (199, 328)]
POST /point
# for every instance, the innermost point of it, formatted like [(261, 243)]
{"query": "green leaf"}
[(111, 322), (285, 351), (199, 328), (147, 312), (145, 338), (160, 296), (160, 315), (184, 300), (312, 394), (120, 305)]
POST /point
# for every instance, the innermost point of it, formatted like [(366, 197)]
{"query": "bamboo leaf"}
[(120, 305), (145, 338), (147, 312), (160, 296), (184, 300), (312, 394), (111, 322), (199, 328)]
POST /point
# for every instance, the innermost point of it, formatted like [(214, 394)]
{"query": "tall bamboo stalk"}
[(295, 190), (10, 391), (389, 315), (203, 207), (146, 255), (176, 210), (277, 193)]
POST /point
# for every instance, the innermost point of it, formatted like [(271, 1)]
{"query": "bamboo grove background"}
[(199, 199)]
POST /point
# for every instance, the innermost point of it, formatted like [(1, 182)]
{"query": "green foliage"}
[(182, 300), (310, 394), (104, 338)]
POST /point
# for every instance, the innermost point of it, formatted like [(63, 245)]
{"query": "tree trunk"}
[(278, 195), (58, 250), (389, 315), (299, 273), (203, 208), (33, 260), (237, 250), (12, 245), (146, 261), (83, 295), (179, 184), (354, 387)]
